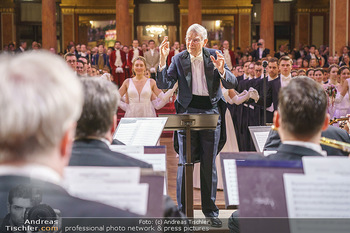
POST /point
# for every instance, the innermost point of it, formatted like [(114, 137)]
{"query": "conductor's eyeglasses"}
[(193, 40)]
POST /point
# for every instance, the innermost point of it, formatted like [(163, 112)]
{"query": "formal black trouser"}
[(204, 146)]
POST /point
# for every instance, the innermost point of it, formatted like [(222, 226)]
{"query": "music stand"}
[(189, 122)]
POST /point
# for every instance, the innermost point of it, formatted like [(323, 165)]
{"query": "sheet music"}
[(261, 138), (317, 197), (230, 169), (82, 174), (158, 161), (131, 197), (140, 131), (333, 165)]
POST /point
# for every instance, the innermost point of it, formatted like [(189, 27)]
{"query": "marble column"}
[(194, 12), (339, 26), (49, 37), (267, 24), (123, 22)]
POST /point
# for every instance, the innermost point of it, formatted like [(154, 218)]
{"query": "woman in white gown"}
[(342, 101), (333, 81), (142, 95)]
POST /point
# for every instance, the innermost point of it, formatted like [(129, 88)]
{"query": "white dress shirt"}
[(176, 51), (285, 80), (199, 82), (310, 145), (228, 58), (152, 52), (118, 59), (136, 53), (260, 53)]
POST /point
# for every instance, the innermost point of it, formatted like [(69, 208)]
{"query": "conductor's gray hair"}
[(40, 99), (199, 30)]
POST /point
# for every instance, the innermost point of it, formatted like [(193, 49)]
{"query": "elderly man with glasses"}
[(198, 71)]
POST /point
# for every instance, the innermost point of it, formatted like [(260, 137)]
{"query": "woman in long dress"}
[(342, 101), (142, 95), (333, 82)]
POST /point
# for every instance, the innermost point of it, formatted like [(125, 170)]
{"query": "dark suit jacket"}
[(278, 55), (91, 152), (255, 53), (292, 152), (180, 70), (57, 198), (273, 88), (273, 140), (96, 57)]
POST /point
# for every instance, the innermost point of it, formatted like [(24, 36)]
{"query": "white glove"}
[(239, 99), (253, 94), (152, 70), (165, 96), (119, 70), (123, 105), (243, 93)]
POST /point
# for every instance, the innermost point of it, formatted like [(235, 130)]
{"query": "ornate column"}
[(8, 28), (244, 28), (49, 24), (267, 24), (194, 12), (123, 22), (339, 25)]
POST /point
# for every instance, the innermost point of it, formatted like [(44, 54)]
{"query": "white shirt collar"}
[(199, 56), (310, 145), (34, 171)]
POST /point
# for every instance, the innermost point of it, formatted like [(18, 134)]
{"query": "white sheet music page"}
[(140, 131), (158, 161), (332, 165), (317, 197), (261, 138), (231, 181), (131, 197), (85, 174)]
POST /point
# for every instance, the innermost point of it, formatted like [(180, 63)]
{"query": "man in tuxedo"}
[(22, 47), (281, 52), (300, 119), (198, 72), (117, 61), (175, 51), (133, 53), (96, 126), (152, 59), (274, 86), (71, 60), (261, 51), (229, 55), (37, 131), (273, 140)]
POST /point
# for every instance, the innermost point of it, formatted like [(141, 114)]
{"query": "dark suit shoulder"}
[(90, 152), (292, 152)]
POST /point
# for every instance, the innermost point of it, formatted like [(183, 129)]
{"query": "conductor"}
[(198, 71)]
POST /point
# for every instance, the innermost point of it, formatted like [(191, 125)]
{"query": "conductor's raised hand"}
[(164, 51), (219, 63)]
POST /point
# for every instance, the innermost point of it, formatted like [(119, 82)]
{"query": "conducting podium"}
[(190, 122)]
